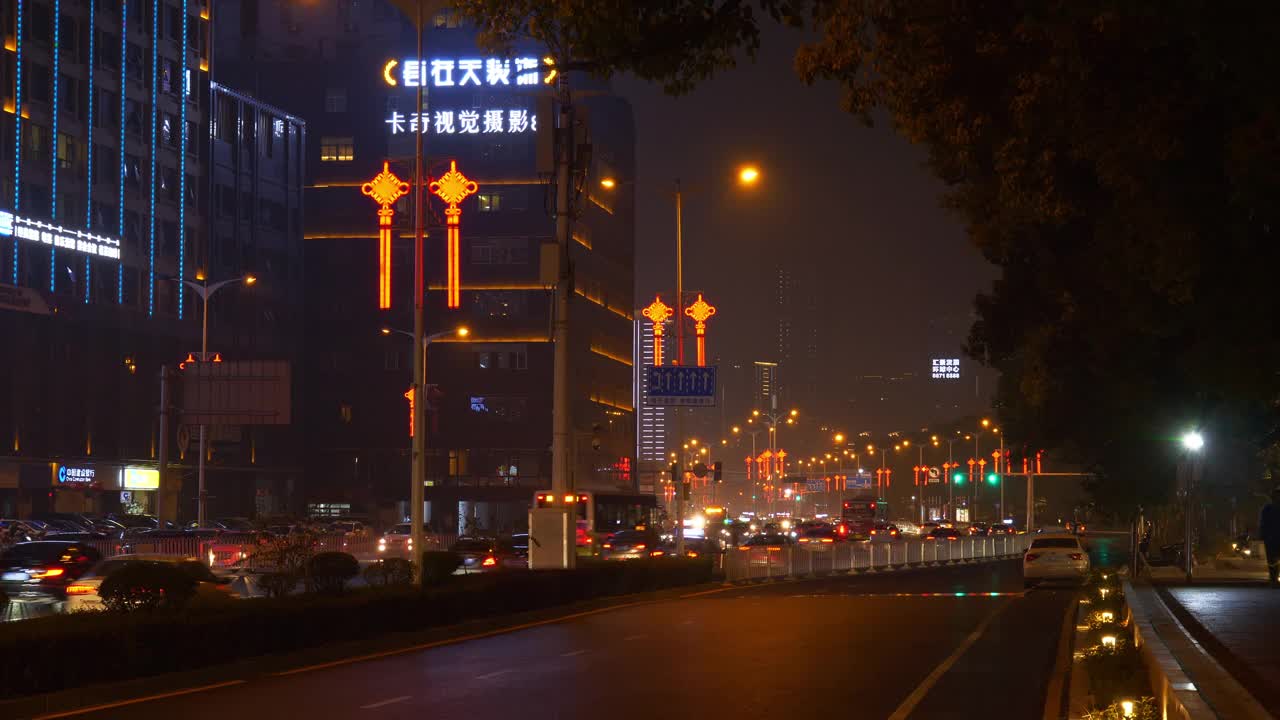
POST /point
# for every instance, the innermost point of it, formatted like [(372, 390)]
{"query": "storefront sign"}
[(518, 121), (63, 238), (464, 72), (75, 475), (141, 478)]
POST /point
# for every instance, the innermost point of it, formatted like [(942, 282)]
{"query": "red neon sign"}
[(658, 312), (701, 311), (453, 187), (385, 188)]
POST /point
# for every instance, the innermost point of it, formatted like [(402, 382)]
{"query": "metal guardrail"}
[(777, 561), (238, 549)]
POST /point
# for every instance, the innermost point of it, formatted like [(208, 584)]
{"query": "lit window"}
[(489, 202), (337, 149)]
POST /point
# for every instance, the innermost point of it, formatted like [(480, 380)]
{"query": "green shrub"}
[(438, 565), (330, 571), (147, 586), (389, 571), (277, 584)]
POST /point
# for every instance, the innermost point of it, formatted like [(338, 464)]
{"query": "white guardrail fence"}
[(775, 561)]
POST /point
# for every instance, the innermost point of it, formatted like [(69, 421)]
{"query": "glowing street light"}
[(839, 438), (608, 183), (1193, 441), (748, 175)]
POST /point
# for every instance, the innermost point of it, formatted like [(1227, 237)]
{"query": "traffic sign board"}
[(935, 475), (682, 385), (700, 470)]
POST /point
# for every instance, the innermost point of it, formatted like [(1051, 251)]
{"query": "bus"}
[(600, 514), (859, 513)]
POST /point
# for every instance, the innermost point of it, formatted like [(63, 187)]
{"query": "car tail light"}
[(77, 589), (1076, 556), (827, 540), (692, 554), (1032, 556), (607, 545), (489, 562), (843, 530), (641, 546), (805, 540), (873, 532), (657, 553), (952, 538), (48, 573), (744, 547), (893, 532)]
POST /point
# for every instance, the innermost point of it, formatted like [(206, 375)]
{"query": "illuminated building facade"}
[(489, 405), (104, 203), (651, 420)]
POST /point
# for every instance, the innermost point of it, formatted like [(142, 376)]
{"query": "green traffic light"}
[(993, 479), (958, 478)]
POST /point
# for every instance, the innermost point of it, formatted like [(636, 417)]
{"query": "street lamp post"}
[(202, 288), (1193, 443)]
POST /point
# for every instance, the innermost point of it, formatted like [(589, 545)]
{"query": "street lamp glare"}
[(986, 422), (795, 413), (200, 275), (608, 183), (385, 331), (755, 413), (463, 331), (1193, 441), (736, 429), (748, 174), (250, 279)]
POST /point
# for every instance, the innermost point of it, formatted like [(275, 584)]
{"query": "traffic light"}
[(716, 468), (993, 479), (684, 491), (675, 471), (958, 478)]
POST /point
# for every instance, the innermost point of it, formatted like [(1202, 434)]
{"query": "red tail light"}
[(657, 553), (641, 546), (873, 532), (744, 547), (1032, 556), (843, 530), (48, 572), (74, 589), (607, 545), (489, 562), (893, 532), (1077, 556), (952, 538)]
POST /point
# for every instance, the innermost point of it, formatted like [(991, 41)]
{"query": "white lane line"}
[(918, 694), (629, 638), (572, 653), (380, 703), (494, 674)]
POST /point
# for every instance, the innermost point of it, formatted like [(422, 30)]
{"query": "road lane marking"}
[(1057, 682), (572, 653), (494, 674), (927, 684), (135, 701), (461, 639), (380, 703)]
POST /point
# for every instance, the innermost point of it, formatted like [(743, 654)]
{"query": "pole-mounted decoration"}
[(700, 311), (385, 188), (453, 187), (659, 313)]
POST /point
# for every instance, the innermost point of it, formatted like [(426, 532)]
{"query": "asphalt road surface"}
[(952, 642)]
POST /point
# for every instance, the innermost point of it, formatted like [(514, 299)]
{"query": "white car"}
[(906, 527), (82, 594), (1057, 556)]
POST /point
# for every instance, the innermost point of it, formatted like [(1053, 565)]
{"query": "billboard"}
[(945, 369), (242, 392)]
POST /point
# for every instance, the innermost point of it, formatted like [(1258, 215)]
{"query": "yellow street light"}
[(748, 175), (795, 413), (386, 331), (736, 429), (694, 442), (702, 450), (906, 443), (828, 456), (791, 421), (934, 438), (871, 448), (250, 279), (839, 437), (986, 422), (723, 441), (608, 183)]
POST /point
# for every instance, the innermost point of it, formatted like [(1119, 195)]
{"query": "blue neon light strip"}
[(88, 193), (155, 84), (17, 136), (53, 137), (124, 91), (182, 164)]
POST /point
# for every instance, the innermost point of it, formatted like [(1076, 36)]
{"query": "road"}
[(952, 642)]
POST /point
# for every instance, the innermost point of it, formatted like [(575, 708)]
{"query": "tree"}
[(1114, 158), (674, 42)]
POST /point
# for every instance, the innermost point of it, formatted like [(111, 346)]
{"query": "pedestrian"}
[(1269, 532)]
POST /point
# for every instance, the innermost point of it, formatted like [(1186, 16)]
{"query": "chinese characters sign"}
[(463, 72), (63, 238), (385, 188), (464, 122), (945, 369), (453, 187)]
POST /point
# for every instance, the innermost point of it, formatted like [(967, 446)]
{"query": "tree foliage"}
[(1116, 159), (675, 42)]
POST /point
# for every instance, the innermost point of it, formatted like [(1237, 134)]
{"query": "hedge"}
[(34, 654)]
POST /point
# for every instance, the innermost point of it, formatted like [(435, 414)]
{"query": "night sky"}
[(849, 208)]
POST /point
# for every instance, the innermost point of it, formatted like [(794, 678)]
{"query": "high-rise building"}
[(765, 388), (355, 79), (104, 212), (795, 311)]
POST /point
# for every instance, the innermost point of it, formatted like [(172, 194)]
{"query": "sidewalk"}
[(1235, 617)]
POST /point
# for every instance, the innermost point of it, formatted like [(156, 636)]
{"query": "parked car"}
[(40, 571), (66, 522), (1055, 557), (83, 593), (485, 554), (233, 524)]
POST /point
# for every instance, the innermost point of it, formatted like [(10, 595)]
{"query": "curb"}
[(1187, 682)]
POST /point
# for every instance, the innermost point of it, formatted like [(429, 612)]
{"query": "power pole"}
[(418, 462), (562, 481)]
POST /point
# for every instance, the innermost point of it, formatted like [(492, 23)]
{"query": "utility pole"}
[(166, 505), (418, 462), (679, 529), (562, 482)]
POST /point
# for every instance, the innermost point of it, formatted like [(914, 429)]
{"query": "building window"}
[(489, 202), (37, 141), (133, 117), (498, 304), (337, 149), (67, 152), (132, 171), (499, 408), (335, 100)]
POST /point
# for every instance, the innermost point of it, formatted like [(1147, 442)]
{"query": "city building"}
[(795, 311), (765, 388), (354, 76), (104, 211)]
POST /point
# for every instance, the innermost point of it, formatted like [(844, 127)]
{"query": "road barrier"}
[(761, 562), (239, 549)]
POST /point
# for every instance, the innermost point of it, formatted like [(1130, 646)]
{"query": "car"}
[(76, 536), (24, 530), (693, 547), (768, 550), (40, 571), (979, 530), (82, 594), (486, 554), (1004, 529), (1056, 556), (629, 545), (520, 543), (818, 538), (397, 542), (884, 532), (232, 524), (943, 533), (65, 522), (906, 527)]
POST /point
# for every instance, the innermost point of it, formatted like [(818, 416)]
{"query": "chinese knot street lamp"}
[(385, 188), (700, 311), (453, 187), (658, 312)]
